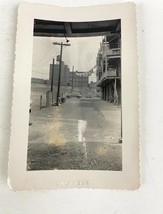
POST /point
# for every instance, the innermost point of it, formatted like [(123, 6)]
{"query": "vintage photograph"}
[(75, 119)]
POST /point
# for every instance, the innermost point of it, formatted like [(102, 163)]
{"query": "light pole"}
[(61, 44)]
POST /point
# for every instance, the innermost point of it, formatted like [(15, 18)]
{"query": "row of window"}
[(79, 80)]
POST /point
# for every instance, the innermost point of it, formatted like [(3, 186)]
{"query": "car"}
[(74, 95), (89, 96)]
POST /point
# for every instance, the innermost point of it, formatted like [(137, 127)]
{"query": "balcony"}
[(109, 74), (111, 51)]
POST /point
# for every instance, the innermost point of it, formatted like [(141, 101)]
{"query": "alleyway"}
[(80, 134)]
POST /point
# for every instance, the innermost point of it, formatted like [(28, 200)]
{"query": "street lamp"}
[(61, 44)]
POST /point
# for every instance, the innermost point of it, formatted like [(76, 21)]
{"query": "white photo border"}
[(21, 179)]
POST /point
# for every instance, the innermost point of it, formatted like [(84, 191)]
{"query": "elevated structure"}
[(109, 67), (47, 28)]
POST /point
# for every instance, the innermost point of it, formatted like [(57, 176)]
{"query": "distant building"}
[(70, 80), (109, 67), (64, 74), (38, 80), (78, 79), (81, 73), (92, 76)]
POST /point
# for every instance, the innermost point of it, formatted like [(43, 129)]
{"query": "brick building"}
[(78, 79), (64, 74)]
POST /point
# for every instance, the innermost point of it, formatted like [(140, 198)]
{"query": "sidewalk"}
[(110, 112)]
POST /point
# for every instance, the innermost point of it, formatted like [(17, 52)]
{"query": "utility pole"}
[(106, 62), (81, 88), (52, 76), (72, 85), (60, 64)]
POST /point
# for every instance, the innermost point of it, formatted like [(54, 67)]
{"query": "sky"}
[(81, 54)]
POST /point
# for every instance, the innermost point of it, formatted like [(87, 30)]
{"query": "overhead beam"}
[(74, 29), (68, 28), (118, 27), (114, 37), (41, 34)]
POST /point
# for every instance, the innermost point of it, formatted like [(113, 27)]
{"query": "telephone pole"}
[(72, 84), (52, 80), (61, 44), (52, 76)]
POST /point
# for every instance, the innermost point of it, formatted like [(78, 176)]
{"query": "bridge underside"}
[(46, 28)]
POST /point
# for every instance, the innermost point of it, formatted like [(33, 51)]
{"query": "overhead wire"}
[(38, 63), (47, 61)]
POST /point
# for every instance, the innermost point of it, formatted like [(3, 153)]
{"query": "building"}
[(92, 76), (109, 67), (70, 80), (64, 74), (78, 79)]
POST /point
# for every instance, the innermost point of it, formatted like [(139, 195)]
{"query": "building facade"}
[(109, 67), (78, 79), (64, 74)]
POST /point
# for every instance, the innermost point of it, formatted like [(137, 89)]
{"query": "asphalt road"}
[(79, 134)]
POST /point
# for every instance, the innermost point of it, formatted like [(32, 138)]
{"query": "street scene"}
[(75, 103)]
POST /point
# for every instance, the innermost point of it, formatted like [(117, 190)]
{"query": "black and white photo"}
[(75, 118), (75, 121)]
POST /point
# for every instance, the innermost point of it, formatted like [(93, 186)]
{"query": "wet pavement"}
[(79, 134)]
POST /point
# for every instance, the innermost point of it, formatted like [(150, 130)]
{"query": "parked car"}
[(74, 95), (89, 96)]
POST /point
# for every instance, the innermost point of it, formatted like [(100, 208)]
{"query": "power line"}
[(43, 58), (48, 61), (44, 63), (39, 73)]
